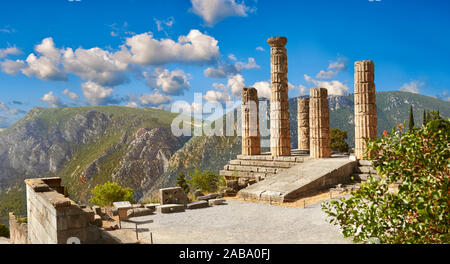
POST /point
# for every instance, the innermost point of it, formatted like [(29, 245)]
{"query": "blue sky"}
[(144, 53)]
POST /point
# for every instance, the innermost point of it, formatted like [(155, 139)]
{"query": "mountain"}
[(86, 146)]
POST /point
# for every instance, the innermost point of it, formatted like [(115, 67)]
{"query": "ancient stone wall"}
[(319, 123), (365, 105), (54, 218), (18, 231), (303, 123), (251, 139), (280, 139)]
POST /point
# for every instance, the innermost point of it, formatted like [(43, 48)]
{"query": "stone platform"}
[(309, 175), (260, 167)]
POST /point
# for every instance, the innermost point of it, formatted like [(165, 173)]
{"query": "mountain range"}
[(86, 146)]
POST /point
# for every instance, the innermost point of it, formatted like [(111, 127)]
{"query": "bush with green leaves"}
[(206, 181), (4, 231), (409, 203), (110, 192), (181, 182), (338, 138)]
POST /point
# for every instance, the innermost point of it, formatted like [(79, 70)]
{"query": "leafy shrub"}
[(181, 182), (4, 231), (106, 194), (206, 181), (338, 138), (417, 210)]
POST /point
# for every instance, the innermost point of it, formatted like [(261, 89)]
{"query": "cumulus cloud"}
[(236, 83), (334, 87), (412, 87), (196, 47), (259, 48), (52, 100), (12, 67), (154, 100), (97, 94), (225, 69), (9, 51), (95, 65), (71, 95), (333, 69), (46, 66), (263, 89), (170, 82), (213, 11), (217, 96)]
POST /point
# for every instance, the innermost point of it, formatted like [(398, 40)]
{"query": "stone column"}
[(319, 123), (365, 105), (280, 138), (250, 122), (303, 123)]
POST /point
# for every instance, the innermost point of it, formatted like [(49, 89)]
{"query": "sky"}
[(141, 53)]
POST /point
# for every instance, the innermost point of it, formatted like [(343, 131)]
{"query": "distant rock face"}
[(146, 159), (31, 149)]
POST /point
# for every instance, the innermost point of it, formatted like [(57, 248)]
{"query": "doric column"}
[(319, 123), (280, 138), (303, 123), (250, 122), (365, 105)]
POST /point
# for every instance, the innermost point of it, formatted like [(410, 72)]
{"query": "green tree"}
[(206, 181), (181, 182), (411, 118), (409, 203), (338, 138), (110, 192), (424, 122), (4, 231)]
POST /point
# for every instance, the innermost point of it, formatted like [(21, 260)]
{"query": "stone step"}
[(264, 163), (296, 159), (245, 174), (253, 169), (363, 176), (365, 162), (365, 169)]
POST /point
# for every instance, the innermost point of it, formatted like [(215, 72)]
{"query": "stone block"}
[(97, 210), (152, 206), (208, 197), (137, 212), (97, 221), (216, 202), (174, 195), (197, 205), (170, 208)]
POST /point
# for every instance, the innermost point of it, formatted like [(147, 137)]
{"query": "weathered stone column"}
[(365, 105), (280, 138), (303, 123), (319, 123), (250, 122)]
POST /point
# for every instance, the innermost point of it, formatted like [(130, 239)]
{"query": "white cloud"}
[(132, 104), (259, 48), (263, 89), (412, 87), (302, 89), (45, 67), (213, 11), (9, 51), (95, 65), (225, 69), (52, 100), (236, 83), (170, 82), (97, 94), (155, 99), (71, 95), (333, 69), (217, 96), (445, 96), (196, 47), (160, 24), (232, 57), (12, 67), (334, 87)]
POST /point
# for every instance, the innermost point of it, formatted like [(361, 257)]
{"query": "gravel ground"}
[(240, 222)]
